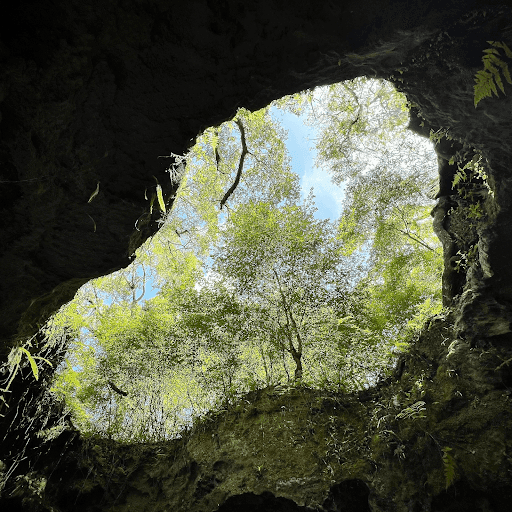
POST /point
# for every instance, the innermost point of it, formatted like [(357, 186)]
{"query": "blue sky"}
[(300, 144)]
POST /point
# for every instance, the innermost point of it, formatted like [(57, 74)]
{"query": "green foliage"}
[(414, 411), (287, 262), (466, 259), (475, 211), (13, 365), (488, 78), (469, 178), (386, 221), (471, 183), (390, 217), (32, 361), (213, 164), (356, 119), (261, 292), (449, 466)]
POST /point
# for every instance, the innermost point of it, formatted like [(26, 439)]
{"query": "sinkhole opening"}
[(299, 250)]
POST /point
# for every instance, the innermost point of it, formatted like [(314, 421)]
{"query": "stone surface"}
[(93, 92)]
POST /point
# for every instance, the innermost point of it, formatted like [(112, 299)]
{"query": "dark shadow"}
[(462, 498), (265, 502), (348, 496)]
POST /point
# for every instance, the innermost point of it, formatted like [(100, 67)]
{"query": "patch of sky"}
[(301, 147), (329, 196)]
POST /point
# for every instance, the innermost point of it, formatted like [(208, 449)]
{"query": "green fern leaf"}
[(499, 83), (460, 175), (482, 87), (506, 74), (488, 80), (503, 46), (504, 70), (492, 85), (449, 466), (495, 74), (495, 60)]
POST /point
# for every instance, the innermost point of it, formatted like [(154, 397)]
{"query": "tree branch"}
[(116, 389), (240, 164), (290, 320), (143, 285), (417, 240), (409, 233)]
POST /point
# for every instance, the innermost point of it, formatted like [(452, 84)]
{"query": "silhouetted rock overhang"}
[(92, 93)]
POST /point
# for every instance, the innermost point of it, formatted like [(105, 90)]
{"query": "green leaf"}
[(43, 359), (95, 193), (501, 44), (32, 362), (506, 74), (160, 198), (488, 78)]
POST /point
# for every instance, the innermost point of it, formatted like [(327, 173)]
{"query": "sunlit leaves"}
[(285, 260), (160, 197), (243, 291), (213, 164)]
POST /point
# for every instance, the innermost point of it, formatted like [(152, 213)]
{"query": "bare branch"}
[(414, 238), (143, 285), (240, 164), (116, 389)]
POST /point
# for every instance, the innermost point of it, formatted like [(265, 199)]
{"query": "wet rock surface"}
[(93, 93)]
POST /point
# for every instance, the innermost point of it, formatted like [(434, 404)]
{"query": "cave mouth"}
[(155, 66), (116, 319)]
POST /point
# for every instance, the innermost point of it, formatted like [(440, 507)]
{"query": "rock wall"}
[(436, 436), (93, 93)]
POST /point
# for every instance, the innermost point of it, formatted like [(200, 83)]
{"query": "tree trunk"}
[(297, 357)]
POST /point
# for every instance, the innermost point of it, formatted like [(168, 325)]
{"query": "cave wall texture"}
[(92, 93)]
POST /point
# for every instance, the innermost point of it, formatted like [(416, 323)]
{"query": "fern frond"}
[(506, 74), (460, 175), (449, 466), (503, 46), (494, 70), (488, 80), (482, 86)]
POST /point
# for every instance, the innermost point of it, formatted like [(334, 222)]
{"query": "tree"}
[(286, 260), (388, 176), (241, 160), (123, 374)]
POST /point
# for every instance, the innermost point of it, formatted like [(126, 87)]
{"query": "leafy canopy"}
[(251, 289)]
